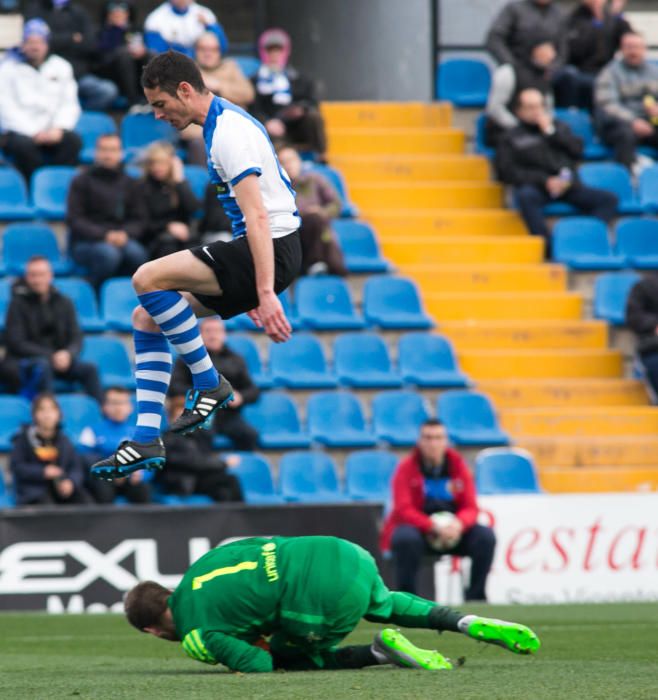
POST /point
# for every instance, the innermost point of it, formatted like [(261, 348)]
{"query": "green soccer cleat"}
[(509, 635), (401, 652)]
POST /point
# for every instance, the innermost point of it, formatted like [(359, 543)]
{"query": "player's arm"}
[(216, 647), (270, 312)]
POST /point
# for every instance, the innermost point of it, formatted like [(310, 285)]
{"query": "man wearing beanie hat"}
[(38, 104)]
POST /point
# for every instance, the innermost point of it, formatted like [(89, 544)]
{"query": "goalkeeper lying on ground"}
[(306, 594)]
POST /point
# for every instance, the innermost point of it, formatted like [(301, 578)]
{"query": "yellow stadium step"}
[(392, 223), (428, 195), (386, 114), (592, 422), (597, 451), (403, 169), (602, 480), (395, 141), (501, 306), (476, 250), (527, 334)]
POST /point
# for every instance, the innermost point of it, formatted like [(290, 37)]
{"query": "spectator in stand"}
[(98, 441), (38, 104), (642, 319), (45, 466), (538, 158), (178, 24), (169, 200), (191, 466), (285, 100), (435, 478), (106, 215), (228, 422), (318, 203), (626, 99), (215, 224), (42, 332), (593, 31), (73, 37)]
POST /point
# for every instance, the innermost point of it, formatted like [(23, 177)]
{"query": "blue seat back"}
[(608, 176), (118, 300), (505, 471), (464, 81), (91, 125), (360, 352), (50, 188), (611, 292), (5, 298), (648, 187), (368, 473), (78, 412), (356, 238), (580, 235), (12, 186), (424, 352), (306, 473), (139, 130), (246, 347), (637, 237), (273, 412), (315, 296), (579, 121), (402, 411), (198, 179), (249, 65), (390, 294), (335, 179), (108, 354), (81, 294), (21, 241), (334, 411), (466, 410), (15, 411), (254, 474), (302, 352)]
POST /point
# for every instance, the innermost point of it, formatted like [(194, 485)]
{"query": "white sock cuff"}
[(464, 623)]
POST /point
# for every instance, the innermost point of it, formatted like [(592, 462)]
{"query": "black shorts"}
[(234, 269)]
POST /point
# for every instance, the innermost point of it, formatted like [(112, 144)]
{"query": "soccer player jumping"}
[(306, 594), (243, 275)]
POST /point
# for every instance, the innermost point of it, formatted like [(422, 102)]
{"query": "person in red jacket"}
[(432, 479)]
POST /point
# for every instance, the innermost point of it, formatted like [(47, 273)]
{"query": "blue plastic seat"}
[(5, 298), (111, 358), (582, 243), (249, 65), (463, 81), (580, 122), (14, 201), (361, 360), (368, 475), (309, 477), (22, 241), (118, 300), (325, 303), (50, 188), (242, 322), (505, 471), (470, 419), (15, 412), (6, 496), (139, 130), (198, 179), (336, 419), (648, 189), (255, 477), (397, 416), (637, 242), (83, 297), (611, 291), (246, 347), (90, 126), (336, 181), (275, 418), (481, 147), (428, 360), (359, 245), (394, 302), (78, 412), (614, 178), (300, 364)]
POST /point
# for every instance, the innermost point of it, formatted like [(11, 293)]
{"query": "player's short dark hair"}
[(145, 604), (430, 423), (168, 70)]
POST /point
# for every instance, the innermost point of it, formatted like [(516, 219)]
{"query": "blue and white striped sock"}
[(153, 371), (177, 321)]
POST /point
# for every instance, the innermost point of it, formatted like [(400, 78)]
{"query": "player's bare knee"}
[(146, 278), (142, 321)]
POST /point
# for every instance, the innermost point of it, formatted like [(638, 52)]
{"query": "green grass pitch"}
[(590, 652)]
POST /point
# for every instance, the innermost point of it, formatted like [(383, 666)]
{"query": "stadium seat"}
[(21, 241), (464, 82), (139, 130), (82, 295), (470, 419), (481, 147), (336, 180), (6, 496), (309, 477), (50, 187), (325, 303), (110, 356), (15, 411), (249, 65), (648, 189), (5, 298), (505, 471), (581, 243), (242, 322), (361, 360), (198, 179), (580, 122), (78, 412), (614, 178), (428, 360), (397, 415), (300, 364), (255, 477), (611, 292), (118, 300), (368, 475), (336, 419), (246, 347), (393, 302), (275, 418), (14, 201), (90, 126), (359, 245), (637, 242)]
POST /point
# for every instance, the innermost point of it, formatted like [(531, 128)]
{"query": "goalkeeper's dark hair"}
[(145, 604), (168, 70)]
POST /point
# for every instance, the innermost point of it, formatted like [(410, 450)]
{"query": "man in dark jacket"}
[(228, 422), (106, 215), (434, 478), (43, 334), (642, 319), (539, 158)]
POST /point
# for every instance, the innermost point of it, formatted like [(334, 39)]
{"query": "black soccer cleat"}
[(201, 406), (130, 457)]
